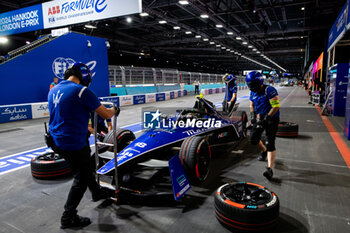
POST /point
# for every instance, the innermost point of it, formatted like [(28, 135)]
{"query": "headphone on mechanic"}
[(81, 71)]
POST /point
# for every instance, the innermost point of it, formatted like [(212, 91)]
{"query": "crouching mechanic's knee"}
[(270, 146)]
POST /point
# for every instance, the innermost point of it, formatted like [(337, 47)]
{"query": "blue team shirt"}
[(70, 105), (230, 90), (261, 101)]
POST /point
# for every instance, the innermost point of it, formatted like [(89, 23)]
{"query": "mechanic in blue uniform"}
[(264, 110), (230, 93), (70, 104)]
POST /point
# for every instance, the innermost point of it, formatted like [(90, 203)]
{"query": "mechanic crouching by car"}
[(230, 93), (70, 104), (264, 110)]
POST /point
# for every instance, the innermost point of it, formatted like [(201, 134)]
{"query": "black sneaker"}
[(268, 173), (102, 194), (76, 221), (262, 156)]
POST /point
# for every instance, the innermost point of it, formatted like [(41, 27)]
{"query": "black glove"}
[(263, 121), (253, 117), (117, 111)]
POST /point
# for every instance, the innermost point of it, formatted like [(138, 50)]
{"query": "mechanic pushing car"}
[(230, 93), (70, 104), (264, 110)]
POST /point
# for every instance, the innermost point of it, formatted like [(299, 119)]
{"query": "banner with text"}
[(59, 13)]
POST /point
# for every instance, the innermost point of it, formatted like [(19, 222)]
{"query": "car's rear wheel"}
[(195, 156), (242, 116), (246, 207), (124, 137)]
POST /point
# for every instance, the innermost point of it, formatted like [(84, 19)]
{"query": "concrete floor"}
[(311, 180)]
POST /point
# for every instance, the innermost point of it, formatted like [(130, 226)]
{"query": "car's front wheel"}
[(195, 156)]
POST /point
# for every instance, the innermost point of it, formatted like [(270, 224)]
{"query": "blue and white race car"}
[(184, 148)]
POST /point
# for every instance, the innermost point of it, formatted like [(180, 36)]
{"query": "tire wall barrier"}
[(9, 113)]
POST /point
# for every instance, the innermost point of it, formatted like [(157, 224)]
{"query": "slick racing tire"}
[(246, 207), (287, 129), (49, 166), (195, 156), (124, 137), (241, 116)]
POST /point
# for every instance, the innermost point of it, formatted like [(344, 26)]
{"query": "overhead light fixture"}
[(162, 22), (229, 33), (301, 37), (219, 25), (254, 49), (232, 51), (211, 42), (257, 52), (302, 8), (129, 19), (184, 2), (250, 46), (188, 32), (144, 14), (90, 26), (205, 39), (204, 16), (228, 50), (27, 42), (238, 38), (218, 45), (198, 36), (223, 47), (244, 42), (176, 28)]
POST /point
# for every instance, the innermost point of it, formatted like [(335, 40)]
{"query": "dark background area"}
[(279, 29)]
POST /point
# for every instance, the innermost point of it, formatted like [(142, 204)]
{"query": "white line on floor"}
[(315, 163)]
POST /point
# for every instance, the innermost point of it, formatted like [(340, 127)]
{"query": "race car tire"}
[(244, 118), (49, 166), (246, 207), (124, 137), (287, 129), (195, 156)]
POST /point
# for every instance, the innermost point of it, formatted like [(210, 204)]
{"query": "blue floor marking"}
[(20, 160)]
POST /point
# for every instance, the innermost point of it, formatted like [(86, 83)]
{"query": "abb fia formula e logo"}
[(60, 65), (54, 10)]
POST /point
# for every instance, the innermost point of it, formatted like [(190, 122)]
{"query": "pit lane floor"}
[(311, 180)]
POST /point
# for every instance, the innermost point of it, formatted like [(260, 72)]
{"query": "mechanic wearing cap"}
[(264, 110), (70, 104), (230, 93)]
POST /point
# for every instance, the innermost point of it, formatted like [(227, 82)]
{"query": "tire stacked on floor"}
[(246, 207), (287, 129), (49, 166)]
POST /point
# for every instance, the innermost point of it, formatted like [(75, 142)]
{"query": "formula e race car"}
[(179, 145)]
